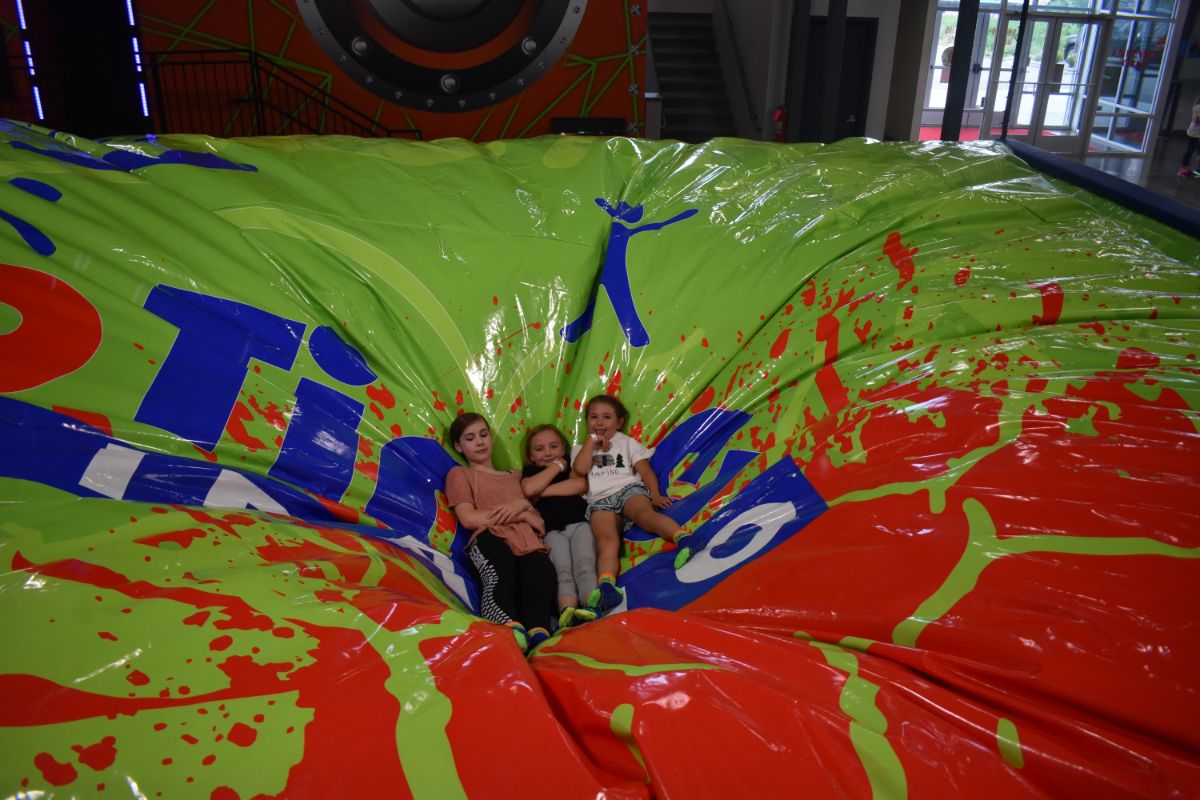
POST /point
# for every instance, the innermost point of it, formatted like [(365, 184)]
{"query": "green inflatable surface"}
[(931, 415)]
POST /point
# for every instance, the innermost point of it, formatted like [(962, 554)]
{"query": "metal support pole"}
[(836, 43), (960, 69), (1013, 79)]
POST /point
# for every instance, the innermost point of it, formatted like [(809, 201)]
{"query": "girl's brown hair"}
[(617, 406), (538, 429), (462, 422)]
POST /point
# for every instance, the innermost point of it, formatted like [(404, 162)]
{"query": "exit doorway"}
[(806, 96)]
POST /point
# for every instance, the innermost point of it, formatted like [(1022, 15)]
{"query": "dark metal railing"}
[(16, 91), (741, 69), (243, 93)]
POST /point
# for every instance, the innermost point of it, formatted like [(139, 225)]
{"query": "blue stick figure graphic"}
[(614, 276)]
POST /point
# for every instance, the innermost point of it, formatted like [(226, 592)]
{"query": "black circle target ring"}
[(444, 55)]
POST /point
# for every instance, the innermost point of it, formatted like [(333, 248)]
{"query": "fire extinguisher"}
[(779, 117)]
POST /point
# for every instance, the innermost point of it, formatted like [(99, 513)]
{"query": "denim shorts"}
[(615, 502)]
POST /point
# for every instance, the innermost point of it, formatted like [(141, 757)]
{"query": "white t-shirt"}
[(613, 471)]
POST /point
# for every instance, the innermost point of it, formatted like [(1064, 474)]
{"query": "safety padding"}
[(932, 414)]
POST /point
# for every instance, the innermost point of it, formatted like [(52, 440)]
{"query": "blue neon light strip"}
[(37, 95), (137, 57)]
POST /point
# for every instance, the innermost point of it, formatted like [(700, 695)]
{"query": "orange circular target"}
[(444, 55)]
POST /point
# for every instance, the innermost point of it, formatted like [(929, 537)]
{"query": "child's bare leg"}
[(608, 546), (608, 542), (642, 513)]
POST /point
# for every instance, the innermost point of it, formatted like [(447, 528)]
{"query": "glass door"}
[(1053, 73), (938, 77), (1061, 116)]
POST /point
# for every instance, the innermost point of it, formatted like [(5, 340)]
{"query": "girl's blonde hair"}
[(538, 429)]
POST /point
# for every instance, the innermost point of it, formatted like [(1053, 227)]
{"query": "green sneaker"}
[(518, 632), (583, 615), (686, 546)]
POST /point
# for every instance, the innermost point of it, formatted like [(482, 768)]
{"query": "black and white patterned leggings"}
[(514, 588)]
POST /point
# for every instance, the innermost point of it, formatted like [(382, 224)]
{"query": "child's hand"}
[(508, 512), (661, 501)]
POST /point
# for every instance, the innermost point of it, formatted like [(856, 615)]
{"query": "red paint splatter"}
[(198, 619), (614, 385), (106, 635), (495, 300), (901, 257), (98, 756), (1137, 358), (863, 332), (383, 396), (137, 678), (54, 773), (458, 398), (240, 615), (534, 325), (780, 343), (97, 421), (368, 468), (829, 383), (222, 642), (207, 455), (242, 735), (340, 510), (226, 522), (512, 409), (1052, 304), (636, 431), (236, 427), (182, 538), (438, 405), (704, 400), (1095, 326), (224, 793), (809, 295), (962, 276), (270, 412), (397, 431)]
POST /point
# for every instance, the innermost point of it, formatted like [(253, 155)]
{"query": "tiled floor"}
[(1157, 172)]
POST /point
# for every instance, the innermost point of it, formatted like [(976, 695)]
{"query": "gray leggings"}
[(573, 552)]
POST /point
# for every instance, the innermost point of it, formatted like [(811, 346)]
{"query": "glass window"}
[(1065, 6), (1133, 63), (1154, 8)]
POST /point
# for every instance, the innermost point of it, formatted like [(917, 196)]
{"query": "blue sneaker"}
[(605, 596), (536, 636)]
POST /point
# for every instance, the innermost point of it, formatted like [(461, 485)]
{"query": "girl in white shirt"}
[(620, 484)]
